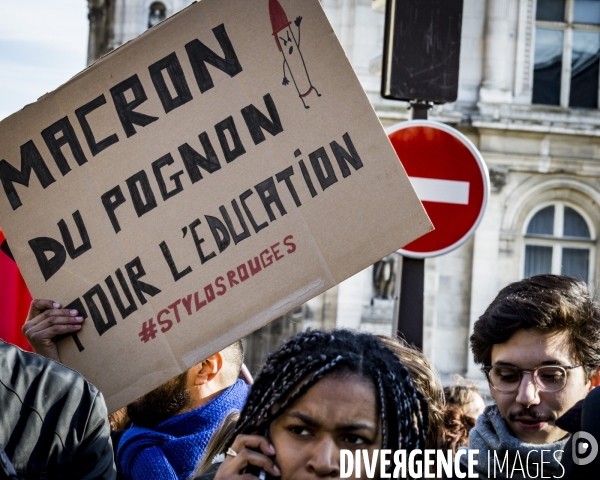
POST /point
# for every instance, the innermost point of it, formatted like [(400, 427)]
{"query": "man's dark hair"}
[(309, 356), (548, 303)]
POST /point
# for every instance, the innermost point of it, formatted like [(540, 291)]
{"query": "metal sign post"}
[(420, 65), (412, 276)]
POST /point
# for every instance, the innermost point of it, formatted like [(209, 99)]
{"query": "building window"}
[(158, 12), (567, 47), (558, 240)]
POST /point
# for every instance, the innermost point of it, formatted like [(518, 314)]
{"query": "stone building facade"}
[(528, 99)]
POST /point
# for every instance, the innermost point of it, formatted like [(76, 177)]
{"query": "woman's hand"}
[(251, 450)]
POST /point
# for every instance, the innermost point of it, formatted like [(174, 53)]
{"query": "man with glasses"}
[(539, 346)]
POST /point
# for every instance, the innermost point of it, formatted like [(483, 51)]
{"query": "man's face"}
[(161, 403), (529, 412)]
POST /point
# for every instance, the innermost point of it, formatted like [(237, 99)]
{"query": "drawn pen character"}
[(289, 47)]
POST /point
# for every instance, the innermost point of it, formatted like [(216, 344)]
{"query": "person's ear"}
[(209, 369), (595, 378)]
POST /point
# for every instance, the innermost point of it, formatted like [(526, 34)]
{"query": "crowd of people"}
[(322, 393)]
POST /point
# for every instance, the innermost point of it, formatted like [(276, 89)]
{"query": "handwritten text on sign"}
[(224, 167)]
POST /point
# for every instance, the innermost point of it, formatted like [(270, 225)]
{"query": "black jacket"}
[(53, 423), (583, 417)]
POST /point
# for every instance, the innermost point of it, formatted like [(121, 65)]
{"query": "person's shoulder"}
[(45, 386), (26, 367)]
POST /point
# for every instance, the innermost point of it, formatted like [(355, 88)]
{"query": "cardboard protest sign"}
[(196, 183)]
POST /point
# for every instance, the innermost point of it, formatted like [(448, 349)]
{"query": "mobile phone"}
[(257, 471)]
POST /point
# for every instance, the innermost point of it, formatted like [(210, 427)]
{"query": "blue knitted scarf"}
[(173, 449)]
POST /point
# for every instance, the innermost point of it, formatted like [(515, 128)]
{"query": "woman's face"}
[(336, 413)]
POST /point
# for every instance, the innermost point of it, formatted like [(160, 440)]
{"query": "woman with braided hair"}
[(322, 392)]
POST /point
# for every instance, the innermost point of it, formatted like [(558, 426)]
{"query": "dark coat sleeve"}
[(93, 458), (590, 423), (53, 423)]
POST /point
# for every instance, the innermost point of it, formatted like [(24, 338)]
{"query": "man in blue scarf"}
[(172, 424)]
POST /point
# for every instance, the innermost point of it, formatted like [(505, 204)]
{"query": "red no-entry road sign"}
[(449, 176)]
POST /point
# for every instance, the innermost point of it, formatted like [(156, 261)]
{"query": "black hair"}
[(548, 303), (309, 356)]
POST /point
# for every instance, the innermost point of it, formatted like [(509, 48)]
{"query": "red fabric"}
[(14, 301)]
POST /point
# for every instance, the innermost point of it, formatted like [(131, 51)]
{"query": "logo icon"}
[(585, 448)]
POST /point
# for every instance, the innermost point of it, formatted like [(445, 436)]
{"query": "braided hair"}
[(309, 356)]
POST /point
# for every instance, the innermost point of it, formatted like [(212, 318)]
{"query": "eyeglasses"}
[(547, 378)]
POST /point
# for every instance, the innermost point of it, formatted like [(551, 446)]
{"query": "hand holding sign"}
[(46, 321)]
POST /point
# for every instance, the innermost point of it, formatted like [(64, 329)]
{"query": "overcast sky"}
[(43, 43)]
